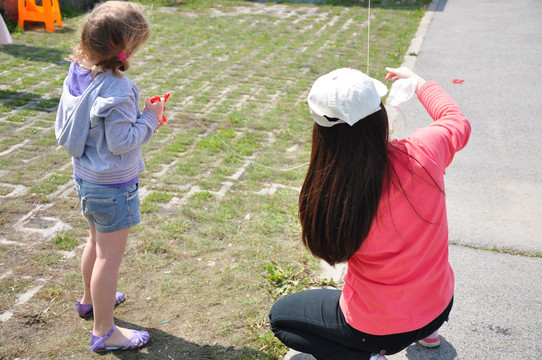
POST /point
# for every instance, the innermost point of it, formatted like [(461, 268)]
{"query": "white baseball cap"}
[(344, 95)]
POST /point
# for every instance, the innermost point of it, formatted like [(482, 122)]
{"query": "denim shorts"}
[(108, 208)]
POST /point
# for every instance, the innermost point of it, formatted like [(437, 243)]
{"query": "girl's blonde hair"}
[(112, 28)]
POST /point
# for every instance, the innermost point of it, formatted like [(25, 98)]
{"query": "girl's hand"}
[(403, 73), (156, 107)]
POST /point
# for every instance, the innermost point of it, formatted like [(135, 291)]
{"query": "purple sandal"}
[(86, 310), (138, 339)]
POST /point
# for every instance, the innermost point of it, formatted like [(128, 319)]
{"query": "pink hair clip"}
[(122, 57)]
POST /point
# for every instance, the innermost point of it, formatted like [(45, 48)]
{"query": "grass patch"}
[(499, 250), (285, 280), (14, 286), (51, 292), (15, 118), (47, 258), (50, 184), (152, 201), (4, 190), (64, 241)]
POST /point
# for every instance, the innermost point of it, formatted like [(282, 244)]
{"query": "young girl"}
[(380, 206), (100, 124)]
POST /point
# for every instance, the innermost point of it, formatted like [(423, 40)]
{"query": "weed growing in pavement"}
[(48, 185), (9, 285), (266, 340), (153, 201), (51, 292), (284, 281), (64, 241)]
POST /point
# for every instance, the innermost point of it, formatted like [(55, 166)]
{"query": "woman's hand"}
[(403, 73)]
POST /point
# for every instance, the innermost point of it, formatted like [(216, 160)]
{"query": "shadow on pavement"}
[(13, 99), (302, 357), (445, 351), (441, 4), (34, 53)]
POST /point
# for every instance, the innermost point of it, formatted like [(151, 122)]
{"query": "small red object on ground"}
[(458, 81)]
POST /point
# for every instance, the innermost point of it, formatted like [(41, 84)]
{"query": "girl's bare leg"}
[(103, 285), (87, 265)]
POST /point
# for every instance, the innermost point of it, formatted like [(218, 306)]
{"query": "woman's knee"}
[(303, 306), (277, 311), (286, 311)]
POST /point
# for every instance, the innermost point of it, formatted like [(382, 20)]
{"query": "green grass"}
[(214, 250), (499, 250), (51, 183), (64, 241)]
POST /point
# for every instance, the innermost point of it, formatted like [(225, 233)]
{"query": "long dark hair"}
[(349, 171)]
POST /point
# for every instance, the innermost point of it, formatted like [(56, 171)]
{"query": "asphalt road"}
[(494, 186)]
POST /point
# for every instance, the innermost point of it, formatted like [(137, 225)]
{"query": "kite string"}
[(232, 151), (368, 34)]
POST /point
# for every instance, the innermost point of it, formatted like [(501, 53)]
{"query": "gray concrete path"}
[(497, 310), (494, 186)]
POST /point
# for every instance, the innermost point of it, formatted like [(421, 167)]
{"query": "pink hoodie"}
[(400, 279)]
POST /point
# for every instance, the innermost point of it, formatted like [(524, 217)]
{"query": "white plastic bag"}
[(401, 91)]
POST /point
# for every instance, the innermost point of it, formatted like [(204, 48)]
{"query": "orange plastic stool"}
[(48, 13)]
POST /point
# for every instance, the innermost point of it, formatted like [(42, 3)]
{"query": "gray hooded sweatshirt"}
[(103, 129)]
